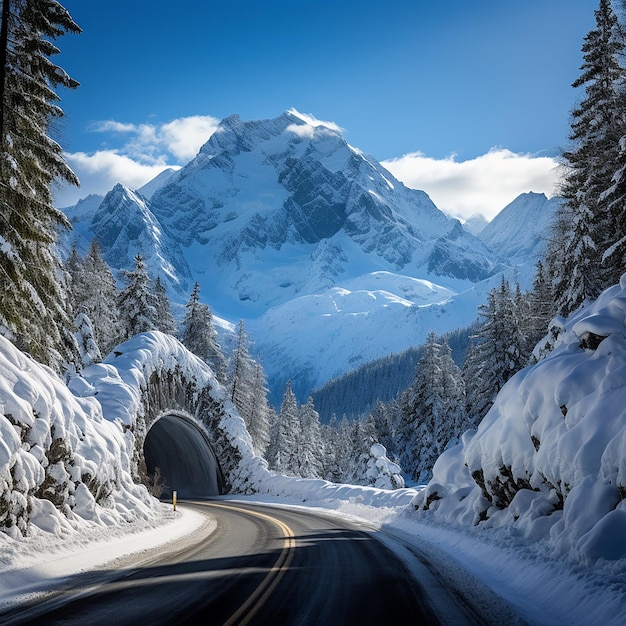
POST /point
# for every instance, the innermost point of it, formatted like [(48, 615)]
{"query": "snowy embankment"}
[(60, 461), (548, 462)]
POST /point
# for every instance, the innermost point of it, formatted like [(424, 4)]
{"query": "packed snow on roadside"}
[(531, 503), (548, 461)]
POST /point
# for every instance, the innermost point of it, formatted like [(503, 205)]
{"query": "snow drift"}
[(549, 458), (69, 453)]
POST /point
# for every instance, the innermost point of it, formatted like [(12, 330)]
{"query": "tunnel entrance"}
[(184, 457)]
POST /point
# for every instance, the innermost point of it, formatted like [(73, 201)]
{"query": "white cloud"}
[(313, 121), (484, 185), (145, 150), (180, 138), (305, 131), (186, 135), (101, 171)]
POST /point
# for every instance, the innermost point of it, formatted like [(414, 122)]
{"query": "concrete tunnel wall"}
[(183, 454)]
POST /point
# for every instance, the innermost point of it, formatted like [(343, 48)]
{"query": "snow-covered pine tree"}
[(361, 436), (164, 318), (496, 354), (613, 257), (336, 449), (34, 312), (199, 336), (136, 301), (242, 376), (261, 413), (382, 417), (282, 452), (381, 472), (598, 124), (422, 408), (85, 337), (540, 306), (310, 445), (454, 420), (94, 293)]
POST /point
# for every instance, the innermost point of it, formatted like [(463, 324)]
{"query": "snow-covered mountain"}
[(520, 231), (327, 257)]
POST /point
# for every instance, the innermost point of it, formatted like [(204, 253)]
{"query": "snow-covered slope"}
[(274, 209), (549, 458), (518, 234), (277, 220)]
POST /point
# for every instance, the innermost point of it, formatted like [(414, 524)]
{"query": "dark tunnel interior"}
[(184, 457)]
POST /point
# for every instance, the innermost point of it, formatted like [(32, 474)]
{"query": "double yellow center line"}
[(259, 596)]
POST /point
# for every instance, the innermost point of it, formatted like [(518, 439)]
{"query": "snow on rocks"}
[(60, 462), (68, 452), (549, 458)]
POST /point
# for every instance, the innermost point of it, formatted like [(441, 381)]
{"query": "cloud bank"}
[(484, 185)]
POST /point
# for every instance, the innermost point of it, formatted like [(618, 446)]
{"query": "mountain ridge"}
[(305, 238)]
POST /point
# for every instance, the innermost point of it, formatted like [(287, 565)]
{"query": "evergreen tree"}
[(199, 335), (164, 318), (540, 308), (261, 414), (497, 354), (136, 301), (94, 293), (282, 453), (34, 312), (85, 338), (613, 259), (422, 407), (242, 377), (381, 416), (453, 422), (597, 126), (310, 444)]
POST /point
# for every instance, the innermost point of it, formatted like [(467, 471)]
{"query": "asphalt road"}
[(263, 565)]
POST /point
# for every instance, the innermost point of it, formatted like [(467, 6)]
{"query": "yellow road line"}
[(259, 597)]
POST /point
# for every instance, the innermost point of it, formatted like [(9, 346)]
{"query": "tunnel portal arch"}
[(165, 383), (180, 449)]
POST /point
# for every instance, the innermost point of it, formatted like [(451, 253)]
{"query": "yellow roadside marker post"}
[(174, 499)]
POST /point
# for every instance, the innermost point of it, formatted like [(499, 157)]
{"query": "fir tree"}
[(261, 414), (498, 352), (85, 338), (164, 318), (199, 336), (94, 293), (242, 376), (540, 308), (310, 444), (421, 408), (34, 312), (597, 126), (282, 453), (136, 302)]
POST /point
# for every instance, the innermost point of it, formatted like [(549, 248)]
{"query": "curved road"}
[(262, 565)]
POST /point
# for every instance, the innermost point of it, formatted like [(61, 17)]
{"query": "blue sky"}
[(462, 84)]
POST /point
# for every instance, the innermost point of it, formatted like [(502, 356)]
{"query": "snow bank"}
[(60, 462), (549, 458), (68, 454)]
